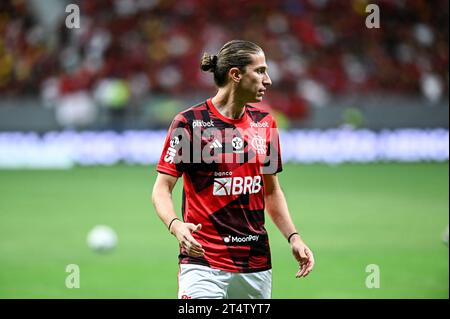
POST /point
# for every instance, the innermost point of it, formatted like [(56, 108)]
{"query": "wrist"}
[(172, 224), (293, 237)]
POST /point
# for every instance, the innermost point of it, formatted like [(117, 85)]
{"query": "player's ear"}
[(235, 74)]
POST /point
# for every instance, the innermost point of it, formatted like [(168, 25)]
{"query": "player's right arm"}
[(162, 201)]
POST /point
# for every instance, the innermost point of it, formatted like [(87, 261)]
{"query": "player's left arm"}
[(278, 211)]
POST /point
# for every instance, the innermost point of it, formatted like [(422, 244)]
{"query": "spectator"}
[(313, 44)]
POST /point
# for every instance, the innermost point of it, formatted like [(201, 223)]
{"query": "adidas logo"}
[(216, 144)]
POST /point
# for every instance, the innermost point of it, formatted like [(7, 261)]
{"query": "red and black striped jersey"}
[(222, 162)]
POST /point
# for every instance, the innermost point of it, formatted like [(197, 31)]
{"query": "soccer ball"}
[(102, 238)]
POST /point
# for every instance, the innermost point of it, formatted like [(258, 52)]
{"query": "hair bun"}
[(209, 62)]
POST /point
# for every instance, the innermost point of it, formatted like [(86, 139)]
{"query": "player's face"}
[(255, 80)]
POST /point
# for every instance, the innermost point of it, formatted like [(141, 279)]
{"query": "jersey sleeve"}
[(273, 163), (176, 151)]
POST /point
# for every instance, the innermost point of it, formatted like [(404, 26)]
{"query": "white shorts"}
[(202, 282)]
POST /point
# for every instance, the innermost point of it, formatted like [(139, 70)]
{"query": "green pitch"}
[(352, 216)]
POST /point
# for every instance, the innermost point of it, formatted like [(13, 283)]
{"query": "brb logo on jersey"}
[(237, 185)]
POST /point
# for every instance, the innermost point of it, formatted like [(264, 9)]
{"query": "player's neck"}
[(228, 105)]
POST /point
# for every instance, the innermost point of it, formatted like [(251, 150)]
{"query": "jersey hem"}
[(233, 270)]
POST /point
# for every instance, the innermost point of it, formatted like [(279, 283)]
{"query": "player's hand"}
[(303, 255), (183, 232)]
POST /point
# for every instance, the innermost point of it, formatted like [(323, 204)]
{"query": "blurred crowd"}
[(316, 49)]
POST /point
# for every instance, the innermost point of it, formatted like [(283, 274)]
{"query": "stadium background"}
[(364, 114)]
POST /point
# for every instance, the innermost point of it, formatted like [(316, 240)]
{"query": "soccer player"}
[(228, 154)]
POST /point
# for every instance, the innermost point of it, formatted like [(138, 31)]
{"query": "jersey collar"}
[(223, 118)]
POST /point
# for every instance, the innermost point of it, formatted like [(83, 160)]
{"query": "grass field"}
[(391, 215)]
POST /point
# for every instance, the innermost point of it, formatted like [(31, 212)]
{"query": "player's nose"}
[(267, 80)]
